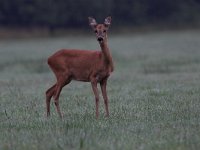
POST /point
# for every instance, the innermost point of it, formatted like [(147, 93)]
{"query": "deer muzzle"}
[(100, 39)]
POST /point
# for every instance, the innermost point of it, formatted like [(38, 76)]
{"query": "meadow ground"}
[(154, 95)]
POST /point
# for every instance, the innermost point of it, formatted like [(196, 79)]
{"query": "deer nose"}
[(100, 39)]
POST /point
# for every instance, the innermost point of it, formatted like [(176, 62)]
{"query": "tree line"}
[(74, 13)]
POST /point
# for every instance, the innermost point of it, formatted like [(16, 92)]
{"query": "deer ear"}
[(92, 22), (107, 21)]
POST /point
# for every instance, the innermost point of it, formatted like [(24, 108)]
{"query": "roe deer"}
[(82, 65)]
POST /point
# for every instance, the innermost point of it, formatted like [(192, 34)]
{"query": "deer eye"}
[(104, 31)]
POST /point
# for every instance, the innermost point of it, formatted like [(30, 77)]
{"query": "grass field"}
[(154, 95)]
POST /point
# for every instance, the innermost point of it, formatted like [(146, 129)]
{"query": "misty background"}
[(51, 15)]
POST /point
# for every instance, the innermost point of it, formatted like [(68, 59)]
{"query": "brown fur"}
[(82, 65)]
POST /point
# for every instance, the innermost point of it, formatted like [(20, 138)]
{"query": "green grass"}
[(154, 95)]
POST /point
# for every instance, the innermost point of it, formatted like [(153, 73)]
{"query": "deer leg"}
[(96, 93), (49, 93), (104, 93), (60, 84), (56, 99)]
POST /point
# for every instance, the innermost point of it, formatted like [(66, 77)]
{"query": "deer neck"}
[(107, 55)]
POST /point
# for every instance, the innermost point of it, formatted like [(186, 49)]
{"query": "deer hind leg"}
[(104, 93), (49, 93), (62, 81)]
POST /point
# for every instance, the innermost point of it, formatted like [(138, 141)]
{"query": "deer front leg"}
[(103, 84), (96, 93)]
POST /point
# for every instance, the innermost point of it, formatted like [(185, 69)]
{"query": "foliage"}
[(73, 13)]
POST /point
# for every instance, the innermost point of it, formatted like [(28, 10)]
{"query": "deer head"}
[(100, 29)]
